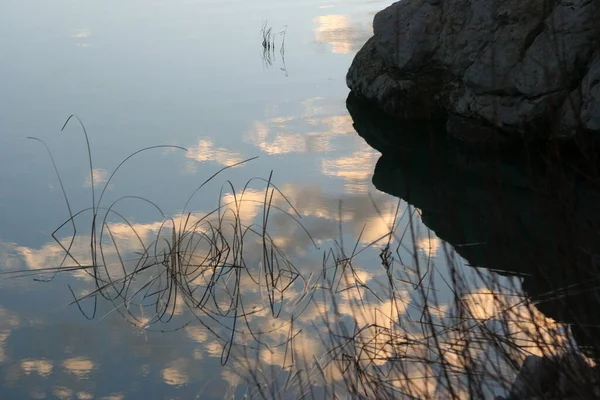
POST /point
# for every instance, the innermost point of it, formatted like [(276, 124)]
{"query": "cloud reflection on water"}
[(175, 373), (313, 132), (320, 214), (377, 320), (205, 150), (42, 367), (81, 367), (356, 170), (344, 35)]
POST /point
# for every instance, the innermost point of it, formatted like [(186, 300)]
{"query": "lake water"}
[(192, 74)]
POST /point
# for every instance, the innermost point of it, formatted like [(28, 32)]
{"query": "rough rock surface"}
[(522, 68), (565, 376)]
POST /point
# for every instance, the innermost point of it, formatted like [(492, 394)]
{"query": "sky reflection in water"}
[(146, 74), (187, 74)]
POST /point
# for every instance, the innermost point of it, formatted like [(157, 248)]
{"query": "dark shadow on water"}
[(526, 212)]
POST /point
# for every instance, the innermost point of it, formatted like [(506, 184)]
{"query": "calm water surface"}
[(186, 73), (190, 74)]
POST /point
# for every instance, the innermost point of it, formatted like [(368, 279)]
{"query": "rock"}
[(522, 69), (564, 376), (581, 109), (590, 97), (534, 376), (415, 96)]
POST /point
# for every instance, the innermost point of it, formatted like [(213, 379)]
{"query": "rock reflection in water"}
[(512, 213)]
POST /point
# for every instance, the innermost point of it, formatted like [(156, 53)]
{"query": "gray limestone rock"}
[(525, 69)]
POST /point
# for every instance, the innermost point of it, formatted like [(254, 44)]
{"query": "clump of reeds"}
[(390, 336), (269, 46), (192, 260), (390, 346)]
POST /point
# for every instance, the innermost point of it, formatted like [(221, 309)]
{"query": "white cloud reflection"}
[(9, 320), (42, 367), (313, 131), (175, 373), (356, 170), (341, 33), (382, 338), (62, 392), (82, 37), (83, 33), (205, 150), (100, 177), (81, 367)]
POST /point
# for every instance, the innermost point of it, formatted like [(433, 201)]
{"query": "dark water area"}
[(520, 213)]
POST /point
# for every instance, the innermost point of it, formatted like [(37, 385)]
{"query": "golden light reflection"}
[(380, 340), (377, 313), (51, 255), (3, 336), (205, 150), (114, 396), (81, 367), (358, 211), (175, 373), (310, 133), (333, 29), (214, 349), (429, 245), (304, 350), (231, 377), (42, 367), (364, 220), (127, 236), (283, 143), (530, 329), (339, 31), (310, 201), (8, 321), (356, 170), (370, 223), (180, 305), (377, 229), (338, 125), (197, 333), (84, 396), (62, 392), (247, 205), (197, 354), (314, 107)]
